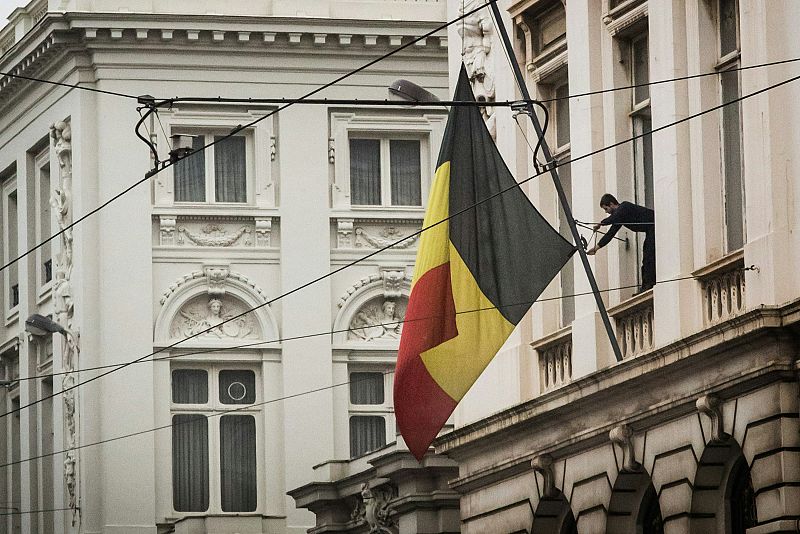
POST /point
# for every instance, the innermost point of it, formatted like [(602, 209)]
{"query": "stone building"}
[(696, 429), (294, 196)]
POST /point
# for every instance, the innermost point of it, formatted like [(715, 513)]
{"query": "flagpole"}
[(554, 174)]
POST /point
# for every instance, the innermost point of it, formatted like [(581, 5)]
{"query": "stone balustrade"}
[(723, 290), (555, 360), (634, 321)]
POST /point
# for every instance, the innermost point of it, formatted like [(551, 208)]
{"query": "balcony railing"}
[(723, 287), (555, 359), (634, 319)]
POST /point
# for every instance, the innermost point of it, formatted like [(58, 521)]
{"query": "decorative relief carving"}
[(264, 232), (476, 33), (344, 233), (387, 236), (215, 231), (214, 235), (388, 291), (374, 507), (622, 435), (393, 282), (216, 282), (166, 232), (711, 406), (378, 319), (205, 318), (61, 200)]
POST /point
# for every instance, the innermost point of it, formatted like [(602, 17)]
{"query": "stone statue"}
[(375, 510), (476, 33)]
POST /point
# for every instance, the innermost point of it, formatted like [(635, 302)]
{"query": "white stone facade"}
[(153, 268)]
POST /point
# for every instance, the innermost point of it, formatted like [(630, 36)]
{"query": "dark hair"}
[(607, 200)]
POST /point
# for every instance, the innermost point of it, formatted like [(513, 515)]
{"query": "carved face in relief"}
[(215, 307), (378, 319)]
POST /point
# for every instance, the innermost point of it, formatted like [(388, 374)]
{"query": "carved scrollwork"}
[(217, 277), (392, 284), (476, 33), (622, 435)]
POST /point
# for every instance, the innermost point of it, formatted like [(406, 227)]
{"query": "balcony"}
[(634, 321), (555, 359)]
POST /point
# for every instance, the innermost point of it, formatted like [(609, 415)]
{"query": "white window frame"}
[(260, 151), (214, 409), (428, 128), (385, 409), (385, 158), (9, 188), (42, 161)]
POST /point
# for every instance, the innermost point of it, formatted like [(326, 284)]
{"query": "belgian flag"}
[(497, 257)]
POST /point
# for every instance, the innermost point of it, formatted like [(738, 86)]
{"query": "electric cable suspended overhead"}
[(322, 388), (410, 236), (303, 100)]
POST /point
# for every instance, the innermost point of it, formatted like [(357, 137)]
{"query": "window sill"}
[(12, 315), (379, 212), (725, 263)]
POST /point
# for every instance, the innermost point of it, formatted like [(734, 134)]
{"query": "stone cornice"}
[(739, 338)]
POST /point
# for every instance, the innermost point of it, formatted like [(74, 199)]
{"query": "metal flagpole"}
[(554, 174)]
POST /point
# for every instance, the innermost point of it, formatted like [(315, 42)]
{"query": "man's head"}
[(609, 203)]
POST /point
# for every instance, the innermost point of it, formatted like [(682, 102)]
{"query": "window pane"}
[(189, 386), (13, 251), (237, 450), (367, 433), (732, 153), (727, 27), (643, 160), (230, 175), (562, 115), (366, 388), (44, 222), (190, 174), (365, 172), (405, 172), (641, 69), (568, 271), (190, 463), (237, 387)]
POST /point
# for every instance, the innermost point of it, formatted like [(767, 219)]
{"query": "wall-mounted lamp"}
[(39, 325), (411, 92)]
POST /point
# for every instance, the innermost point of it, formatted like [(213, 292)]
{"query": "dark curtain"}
[(405, 172), (365, 172), (190, 463), (230, 174), (238, 463), (190, 174)]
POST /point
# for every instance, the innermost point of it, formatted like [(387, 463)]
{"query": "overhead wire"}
[(410, 236), (302, 99), (322, 388), (219, 139)]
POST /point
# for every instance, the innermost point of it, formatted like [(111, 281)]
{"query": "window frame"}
[(384, 409), (428, 127), (385, 172), (261, 152), (214, 410), (9, 188), (208, 135), (42, 161), (726, 63)]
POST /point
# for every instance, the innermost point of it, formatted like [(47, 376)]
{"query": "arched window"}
[(554, 516), (740, 499), (649, 520)]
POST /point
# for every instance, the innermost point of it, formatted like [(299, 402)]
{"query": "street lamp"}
[(411, 92), (39, 325)]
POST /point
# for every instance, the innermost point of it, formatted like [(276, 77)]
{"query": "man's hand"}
[(591, 251), (596, 227)]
